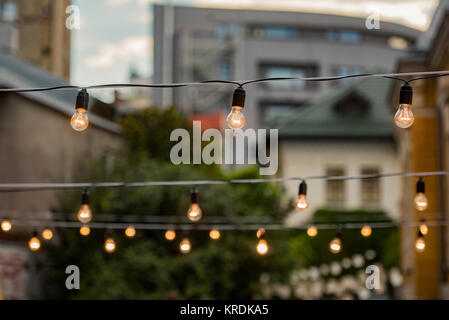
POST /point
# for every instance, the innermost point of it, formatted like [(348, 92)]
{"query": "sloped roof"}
[(320, 119), (16, 73)]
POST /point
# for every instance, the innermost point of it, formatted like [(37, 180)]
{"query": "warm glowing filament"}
[(335, 245), (85, 231), (312, 231), (47, 234), (301, 203), (214, 234), (79, 121), (170, 235), (130, 232), (420, 244), (366, 231), (421, 202), (184, 246), (6, 225), (109, 245), (194, 213), (262, 247), (34, 244)]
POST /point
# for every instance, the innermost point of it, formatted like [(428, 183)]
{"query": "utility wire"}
[(16, 187), (395, 76)]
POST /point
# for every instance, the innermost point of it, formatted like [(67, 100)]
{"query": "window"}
[(347, 36), (335, 192), (225, 70), (370, 188), (272, 110), (275, 32), (289, 71)]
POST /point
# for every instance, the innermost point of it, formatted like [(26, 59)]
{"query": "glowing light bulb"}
[(312, 231), (194, 213), (47, 234), (260, 233), (421, 202), (366, 231), (404, 116), (6, 225), (84, 214), (109, 245), (262, 247), (85, 231), (185, 246), (335, 245), (214, 234), (301, 203), (236, 118), (130, 231), (170, 235), (34, 243), (423, 228), (420, 244), (79, 121)]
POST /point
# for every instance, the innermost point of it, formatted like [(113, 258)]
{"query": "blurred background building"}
[(194, 44), (34, 31)]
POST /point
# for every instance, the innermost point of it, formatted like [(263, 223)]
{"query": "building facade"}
[(36, 31), (194, 44)]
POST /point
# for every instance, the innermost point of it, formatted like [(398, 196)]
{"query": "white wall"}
[(300, 159)]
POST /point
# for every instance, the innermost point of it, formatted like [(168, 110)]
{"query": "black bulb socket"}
[(82, 100), (406, 94), (420, 186), (194, 196), (238, 99), (85, 197), (302, 188)]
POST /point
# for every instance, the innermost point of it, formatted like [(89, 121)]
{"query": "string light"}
[(236, 118), (84, 214), (194, 213), (420, 243), (312, 231), (423, 227), (130, 231), (262, 245), (404, 116), (301, 203), (6, 225), (366, 231), (47, 234), (335, 245), (185, 246), (79, 121), (421, 202), (170, 235), (34, 243), (85, 230), (214, 234), (109, 244)]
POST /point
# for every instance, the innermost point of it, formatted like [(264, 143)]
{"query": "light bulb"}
[(366, 231), (301, 203), (421, 201), (79, 121), (260, 233), (423, 228), (34, 243), (194, 212), (109, 245), (6, 225), (47, 234), (85, 231), (84, 214), (404, 116), (170, 235), (236, 118), (262, 247), (420, 244), (335, 245), (130, 231), (312, 231), (214, 234), (184, 246)]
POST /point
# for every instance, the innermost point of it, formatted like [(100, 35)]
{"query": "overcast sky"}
[(116, 34)]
